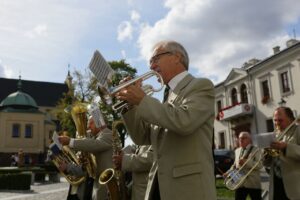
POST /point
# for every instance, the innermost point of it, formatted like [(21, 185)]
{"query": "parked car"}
[(224, 158)]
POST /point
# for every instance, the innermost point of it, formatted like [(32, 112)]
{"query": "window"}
[(285, 79), (219, 105), (222, 140), (244, 96), (16, 130), (234, 99), (265, 88), (285, 86), (270, 125), (28, 130)]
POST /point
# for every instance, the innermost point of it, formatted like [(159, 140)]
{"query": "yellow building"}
[(26, 120)]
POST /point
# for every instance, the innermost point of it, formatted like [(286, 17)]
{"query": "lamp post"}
[(282, 102)]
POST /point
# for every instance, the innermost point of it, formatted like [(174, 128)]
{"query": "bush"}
[(15, 181)]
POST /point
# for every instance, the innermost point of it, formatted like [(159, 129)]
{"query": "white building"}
[(246, 100)]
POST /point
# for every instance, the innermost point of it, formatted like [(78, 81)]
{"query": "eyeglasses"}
[(155, 58)]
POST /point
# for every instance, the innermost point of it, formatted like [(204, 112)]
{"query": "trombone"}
[(106, 94), (237, 177)]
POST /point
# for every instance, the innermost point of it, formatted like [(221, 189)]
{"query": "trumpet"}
[(107, 93), (237, 177)]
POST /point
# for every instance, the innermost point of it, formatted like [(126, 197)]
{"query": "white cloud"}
[(220, 35), (5, 71), (39, 30), (135, 16), (125, 31)]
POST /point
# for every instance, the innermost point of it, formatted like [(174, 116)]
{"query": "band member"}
[(180, 130), (100, 146), (284, 170), (252, 184), (137, 160)]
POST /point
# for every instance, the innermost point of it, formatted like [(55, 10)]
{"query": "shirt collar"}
[(176, 79)]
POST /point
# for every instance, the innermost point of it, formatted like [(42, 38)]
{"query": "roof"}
[(44, 93), (19, 98)]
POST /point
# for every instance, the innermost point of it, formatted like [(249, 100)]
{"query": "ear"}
[(177, 57)]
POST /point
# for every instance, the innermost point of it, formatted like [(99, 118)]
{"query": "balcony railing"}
[(234, 111)]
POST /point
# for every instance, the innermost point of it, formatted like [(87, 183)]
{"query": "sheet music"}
[(264, 140), (56, 141), (97, 115), (100, 68)]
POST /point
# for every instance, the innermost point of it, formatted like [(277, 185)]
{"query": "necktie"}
[(277, 169), (242, 152), (166, 93)]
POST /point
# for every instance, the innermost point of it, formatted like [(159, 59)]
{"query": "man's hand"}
[(242, 161), (64, 140), (279, 145), (133, 94), (117, 160), (62, 166)]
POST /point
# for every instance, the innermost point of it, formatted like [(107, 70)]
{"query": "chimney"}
[(276, 49), (291, 42)]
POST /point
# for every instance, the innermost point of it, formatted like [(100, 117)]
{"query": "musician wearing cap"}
[(180, 129), (251, 185), (285, 168), (99, 145)]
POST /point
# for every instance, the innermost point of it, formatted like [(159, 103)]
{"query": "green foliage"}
[(86, 90)]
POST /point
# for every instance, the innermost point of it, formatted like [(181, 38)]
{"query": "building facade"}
[(246, 100), (27, 120)]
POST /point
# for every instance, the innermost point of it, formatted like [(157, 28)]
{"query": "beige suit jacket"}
[(180, 132), (139, 164), (101, 147), (290, 165), (253, 179)]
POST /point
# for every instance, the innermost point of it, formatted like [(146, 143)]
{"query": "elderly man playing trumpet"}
[(180, 129)]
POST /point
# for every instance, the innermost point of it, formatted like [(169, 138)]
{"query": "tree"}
[(86, 90)]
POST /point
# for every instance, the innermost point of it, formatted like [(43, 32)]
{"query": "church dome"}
[(19, 100)]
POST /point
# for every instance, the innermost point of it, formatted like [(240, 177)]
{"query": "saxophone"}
[(113, 177)]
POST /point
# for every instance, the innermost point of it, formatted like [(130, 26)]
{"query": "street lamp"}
[(282, 102)]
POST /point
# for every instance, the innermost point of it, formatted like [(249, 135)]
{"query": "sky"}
[(40, 38)]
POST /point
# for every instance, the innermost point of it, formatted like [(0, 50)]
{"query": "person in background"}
[(285, 168), (137, 160), (100, 146), (252, 184)]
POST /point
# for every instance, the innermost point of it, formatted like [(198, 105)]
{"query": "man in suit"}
[(285, 169), (180, 130), (137, 160), (100, 146), (252, 184)]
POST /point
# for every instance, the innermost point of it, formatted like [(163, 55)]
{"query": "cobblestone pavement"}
[(45, 191), (59, 191)]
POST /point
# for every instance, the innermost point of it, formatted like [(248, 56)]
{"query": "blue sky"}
[(39, 38)]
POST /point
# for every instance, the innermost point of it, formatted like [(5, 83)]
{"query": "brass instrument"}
[(113, 178), (68, 156), (79, 116), (107, 93), (237, 177)]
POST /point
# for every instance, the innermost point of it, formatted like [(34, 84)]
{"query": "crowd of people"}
[(172, 155)]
